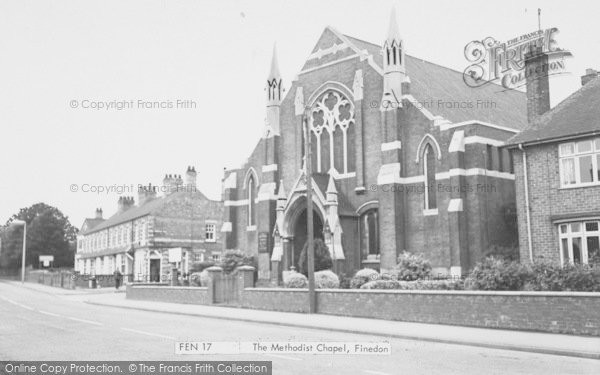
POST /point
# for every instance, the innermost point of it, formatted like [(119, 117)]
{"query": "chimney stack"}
[(537, 83), (98, 213), (190, 179), (178, 183), (125, 203), (146, 193), (172, 183), (590, 74)]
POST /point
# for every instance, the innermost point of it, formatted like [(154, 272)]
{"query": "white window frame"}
[(576, 156), (583, 234), (210, 228)]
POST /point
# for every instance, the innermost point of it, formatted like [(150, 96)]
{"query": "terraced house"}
[(137, 239), (405, 156)]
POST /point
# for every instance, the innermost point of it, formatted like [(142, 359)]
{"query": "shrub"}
[(553, 277), (200, 266), (295, 280), (448, 284), (345, 281), (362, 277), (232, 259), (415, 285), (326, 280), (199, 278), (508, 253), (412, 267), (498, 274), (322, 257), (381, 284)]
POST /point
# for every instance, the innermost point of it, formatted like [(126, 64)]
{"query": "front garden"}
[(413, 272)]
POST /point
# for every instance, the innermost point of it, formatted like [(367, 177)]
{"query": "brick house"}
[(557, 168), (405, 156), (137, 239)]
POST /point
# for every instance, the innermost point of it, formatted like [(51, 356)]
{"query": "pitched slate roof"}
[(130, 214), (431, 83), (577, 115), (89, 224), (135, 212)]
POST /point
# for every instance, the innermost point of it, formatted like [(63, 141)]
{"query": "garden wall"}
[(173, 294), (558, 312)]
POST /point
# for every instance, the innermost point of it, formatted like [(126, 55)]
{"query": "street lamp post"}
[(24, 224), (312, 300)]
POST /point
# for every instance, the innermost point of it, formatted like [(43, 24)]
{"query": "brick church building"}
[(405, 156)]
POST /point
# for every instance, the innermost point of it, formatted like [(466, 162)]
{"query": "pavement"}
[(38, 322), (534, 342)]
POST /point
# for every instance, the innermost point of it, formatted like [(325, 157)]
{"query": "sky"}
[(59, 59)]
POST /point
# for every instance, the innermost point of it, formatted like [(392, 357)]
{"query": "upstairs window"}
[(579, 163), (332, 133), (210, 231)]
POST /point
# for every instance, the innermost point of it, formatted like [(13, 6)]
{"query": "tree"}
[(49, 232), (322, 257)]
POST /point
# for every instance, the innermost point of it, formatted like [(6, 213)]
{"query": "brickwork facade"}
[(373, 124), (137, 239), (549, 203)]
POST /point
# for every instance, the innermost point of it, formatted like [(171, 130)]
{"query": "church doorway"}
[(300, 233)]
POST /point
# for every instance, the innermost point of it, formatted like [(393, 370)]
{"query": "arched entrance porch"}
[(300, 235)]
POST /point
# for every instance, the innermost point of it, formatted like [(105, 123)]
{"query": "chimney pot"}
[(590, 74)]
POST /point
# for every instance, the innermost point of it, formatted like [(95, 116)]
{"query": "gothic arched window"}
[(251, 187), (429, 174), (369, 233), (332, 130)]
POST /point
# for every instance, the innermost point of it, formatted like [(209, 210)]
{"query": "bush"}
[(412, 267), (199, 278), (295, 280), (322, 257), (498, 274), (345, 281), (200, 266), (326, 280), (381, 284), (508, 253), (553, 277), (447, 284), (362, 277), (233, 259), (415, 285)]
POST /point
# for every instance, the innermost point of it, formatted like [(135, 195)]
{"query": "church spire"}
[(393, 65), (275, 91), (393, 30), (274, 87)]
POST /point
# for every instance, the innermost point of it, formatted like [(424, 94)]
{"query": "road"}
[(54, 326)]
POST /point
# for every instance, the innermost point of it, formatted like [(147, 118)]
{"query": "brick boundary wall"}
[(556, 312), (173, 294)]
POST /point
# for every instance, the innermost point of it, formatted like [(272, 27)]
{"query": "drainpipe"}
[(528, 214)]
